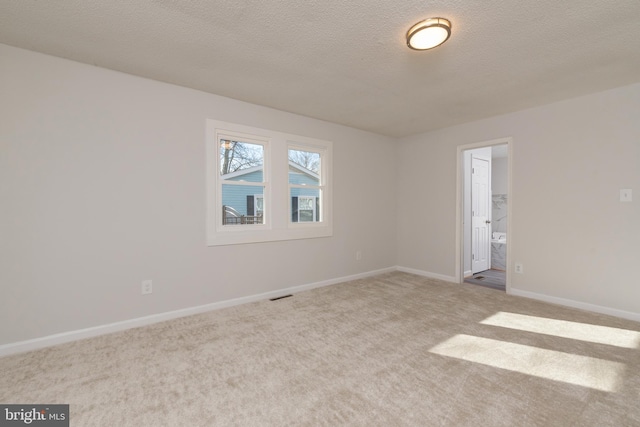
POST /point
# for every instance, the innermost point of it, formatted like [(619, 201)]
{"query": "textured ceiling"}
[(347, 62)]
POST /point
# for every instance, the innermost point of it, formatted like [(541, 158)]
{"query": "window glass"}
[(236, 156), (306, 208), (306, 159), (259, 204), (239, 205), (305, 185), (241, 163)]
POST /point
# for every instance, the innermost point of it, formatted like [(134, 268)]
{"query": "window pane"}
[(306, 203), (259, 204), (307, 167), (306, 216), (305, 208), (242, 204), (304, 181), (236, 156)]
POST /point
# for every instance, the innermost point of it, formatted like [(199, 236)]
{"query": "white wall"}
[(576, 241), (102, 185)]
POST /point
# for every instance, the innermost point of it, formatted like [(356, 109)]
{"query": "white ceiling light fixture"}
[(429, 33)]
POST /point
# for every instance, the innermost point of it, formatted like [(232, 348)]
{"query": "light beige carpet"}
[(392, 350)]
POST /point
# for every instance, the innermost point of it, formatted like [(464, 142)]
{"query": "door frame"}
[(460, 183)]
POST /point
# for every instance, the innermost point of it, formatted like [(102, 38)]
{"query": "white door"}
[(480, 215)]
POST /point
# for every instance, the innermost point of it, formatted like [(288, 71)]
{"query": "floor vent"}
[(277, 298)]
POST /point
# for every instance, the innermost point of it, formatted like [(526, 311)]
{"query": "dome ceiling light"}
[(429, 33)]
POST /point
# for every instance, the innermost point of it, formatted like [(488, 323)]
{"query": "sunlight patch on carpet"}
[(554, 365), (565, 329)]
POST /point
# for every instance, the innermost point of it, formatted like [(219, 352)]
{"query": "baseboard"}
[(577, 304), (427, 274), (540, 297), (467, 274), (61, 338)]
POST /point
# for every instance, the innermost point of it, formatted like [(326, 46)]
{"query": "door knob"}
[(488, 222)]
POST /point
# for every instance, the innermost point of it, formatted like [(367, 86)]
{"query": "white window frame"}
[(322, 187), (222, 134), (277, 201)]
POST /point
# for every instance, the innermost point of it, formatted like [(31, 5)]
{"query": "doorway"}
[(483, 208)]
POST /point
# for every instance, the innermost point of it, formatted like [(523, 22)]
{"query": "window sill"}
[(294, 232)]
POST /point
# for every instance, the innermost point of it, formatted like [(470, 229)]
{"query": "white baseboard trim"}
[(467, 273), (64, 337), (61, 338), (577, 304), (427, 274), (540, 297)]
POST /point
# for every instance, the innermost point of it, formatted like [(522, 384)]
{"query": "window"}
[(305, 184), (265, 186), (241, 180)]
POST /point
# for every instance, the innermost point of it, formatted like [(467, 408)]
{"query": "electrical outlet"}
[(147, 287), (626, 195), (519, 268), (358, 255)]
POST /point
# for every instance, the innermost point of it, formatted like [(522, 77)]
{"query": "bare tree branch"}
[(236, 156), (306, 159)]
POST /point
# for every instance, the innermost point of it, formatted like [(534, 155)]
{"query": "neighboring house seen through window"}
[(255, 205), (304, 209)]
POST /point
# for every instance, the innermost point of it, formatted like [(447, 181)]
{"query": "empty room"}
[(330, 213)]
